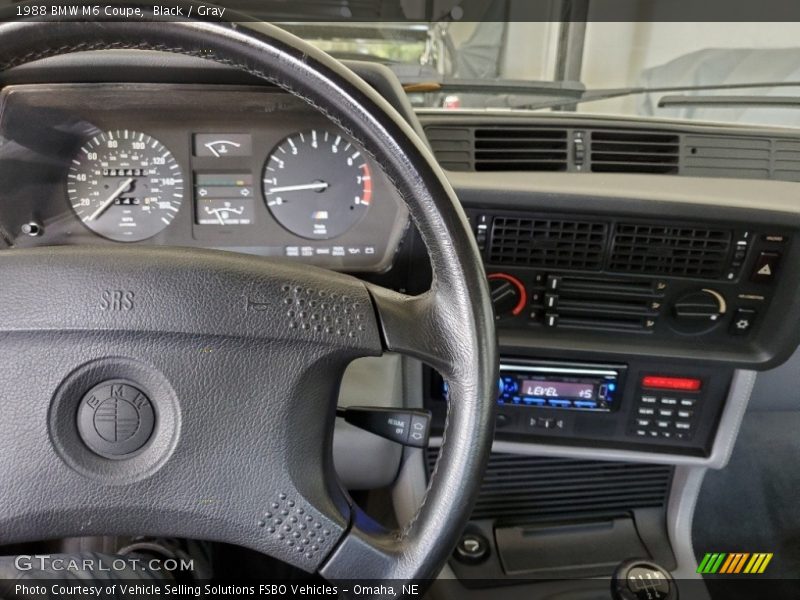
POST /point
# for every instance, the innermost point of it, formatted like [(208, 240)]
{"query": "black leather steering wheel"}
[(240, 357)]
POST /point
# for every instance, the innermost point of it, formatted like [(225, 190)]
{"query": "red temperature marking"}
[(366, 194)]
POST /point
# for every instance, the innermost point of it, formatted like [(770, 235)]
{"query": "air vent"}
[(786, 160), (537, 487), (634, 152), (604, 303), (452, 146), (520, 149), (552, 145), (670, 250), (726, 156), (551, 243)]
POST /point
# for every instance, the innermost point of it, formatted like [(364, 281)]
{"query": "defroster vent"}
[(670, 250), (520, 149), (551, 243), (517, 486), (621, 151)]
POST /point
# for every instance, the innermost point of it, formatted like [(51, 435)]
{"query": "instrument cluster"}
[(247, 169)]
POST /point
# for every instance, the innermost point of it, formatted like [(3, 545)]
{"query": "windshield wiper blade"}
[(609, 93), (730, 101), (563, 90)]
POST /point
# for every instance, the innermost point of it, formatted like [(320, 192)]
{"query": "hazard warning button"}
[(765, 267)]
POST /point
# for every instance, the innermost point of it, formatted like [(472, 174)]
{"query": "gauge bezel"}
[(174, 193), (339, 195)]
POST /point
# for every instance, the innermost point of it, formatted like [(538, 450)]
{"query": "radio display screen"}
[(585, 387), (559, 389)]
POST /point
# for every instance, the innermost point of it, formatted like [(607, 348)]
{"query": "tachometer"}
[(317, 184), (125, 185)]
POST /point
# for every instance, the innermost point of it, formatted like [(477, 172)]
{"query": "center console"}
[(625, 333)]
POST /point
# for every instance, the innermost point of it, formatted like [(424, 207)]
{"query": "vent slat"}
[(520, 149), (534, 487), (634, 152)]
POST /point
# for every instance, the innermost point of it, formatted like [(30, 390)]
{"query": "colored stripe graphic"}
[(734, 563), (711, 562), (758, 563)]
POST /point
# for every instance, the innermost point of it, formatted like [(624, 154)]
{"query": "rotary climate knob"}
[(508, 295), (698, 311)]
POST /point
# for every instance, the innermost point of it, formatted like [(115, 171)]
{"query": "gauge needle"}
[(114, 195), (216, 212), (317, 185)]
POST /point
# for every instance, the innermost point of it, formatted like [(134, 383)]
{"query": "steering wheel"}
[(233, 362)]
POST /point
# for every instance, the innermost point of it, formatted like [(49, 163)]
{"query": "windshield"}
[(559, 66)]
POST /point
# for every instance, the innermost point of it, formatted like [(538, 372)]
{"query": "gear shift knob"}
[(642, 579)]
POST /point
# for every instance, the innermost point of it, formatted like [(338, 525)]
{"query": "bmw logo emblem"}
[(115, 419)]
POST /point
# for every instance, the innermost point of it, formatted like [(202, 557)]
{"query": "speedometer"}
[(125, 185), (317, 184)]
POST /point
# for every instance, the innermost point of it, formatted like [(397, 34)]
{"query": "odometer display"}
[(125, 185), (317, 184)]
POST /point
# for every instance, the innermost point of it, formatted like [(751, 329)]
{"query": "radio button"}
[(582, 404), (560, 403)]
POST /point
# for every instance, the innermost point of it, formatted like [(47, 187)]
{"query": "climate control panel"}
[(669, 281)]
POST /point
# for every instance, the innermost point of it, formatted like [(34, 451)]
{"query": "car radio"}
[(561, 386), (638, 405), (570, 386)]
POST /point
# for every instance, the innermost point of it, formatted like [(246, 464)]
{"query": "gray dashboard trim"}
[(764, 201), (686, 483), (735, 407)]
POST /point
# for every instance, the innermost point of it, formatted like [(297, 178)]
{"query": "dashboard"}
[(227, 167), (628, 302), (634, 301)]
